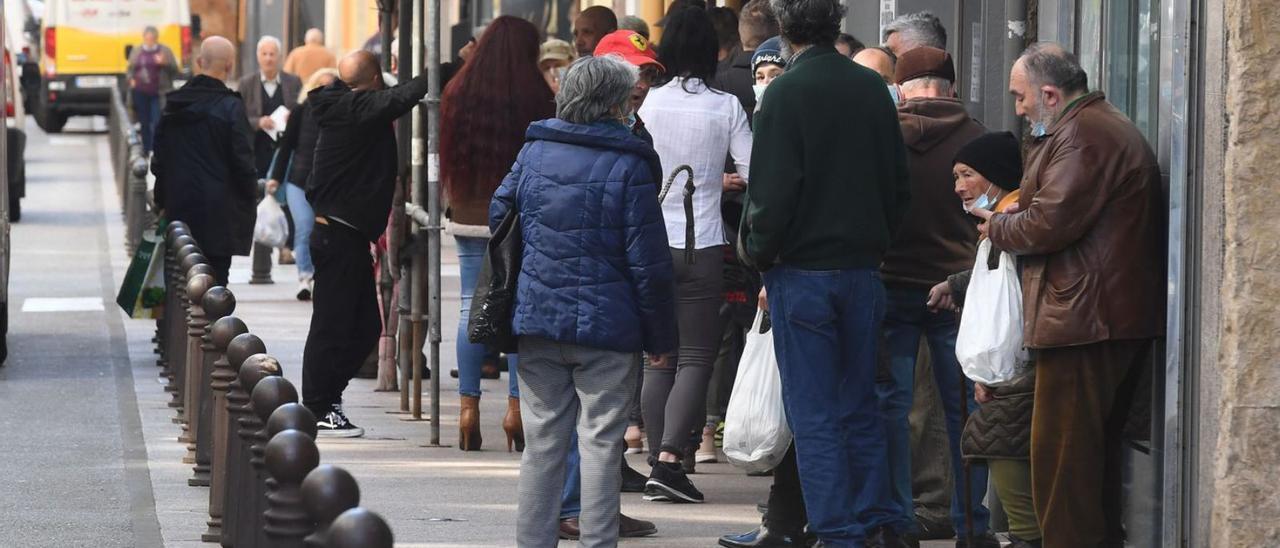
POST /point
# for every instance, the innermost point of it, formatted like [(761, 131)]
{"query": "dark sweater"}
[(354, 172), (829, 181)]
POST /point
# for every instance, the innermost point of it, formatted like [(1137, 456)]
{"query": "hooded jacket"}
[(353, 173), (596, 269), (204, 167), (939, 237)]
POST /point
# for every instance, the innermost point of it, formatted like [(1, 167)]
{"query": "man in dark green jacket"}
[(829, 185)]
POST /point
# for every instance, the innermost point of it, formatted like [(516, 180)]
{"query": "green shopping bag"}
[(142, 294)]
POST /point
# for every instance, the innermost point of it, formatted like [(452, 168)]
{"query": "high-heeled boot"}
[(513, 425), (469, 424)]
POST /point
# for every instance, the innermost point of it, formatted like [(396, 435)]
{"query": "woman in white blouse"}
[(695, 126)]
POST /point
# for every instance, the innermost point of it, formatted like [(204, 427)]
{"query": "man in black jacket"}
[(203, 161), (351, 186)]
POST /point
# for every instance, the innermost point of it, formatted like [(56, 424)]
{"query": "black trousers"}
[(221, 269), (786, 513), (345, 323)]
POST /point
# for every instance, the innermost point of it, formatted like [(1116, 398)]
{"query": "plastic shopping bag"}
[(989, 345), (756, 435), (271, 228), (141, 295)]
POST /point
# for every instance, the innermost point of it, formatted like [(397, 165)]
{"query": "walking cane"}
[(968, 483)]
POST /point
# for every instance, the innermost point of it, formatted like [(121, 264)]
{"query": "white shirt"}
[(270, 85), (696, 129)]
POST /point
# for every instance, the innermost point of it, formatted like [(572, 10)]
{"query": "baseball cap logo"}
[(639, 42)]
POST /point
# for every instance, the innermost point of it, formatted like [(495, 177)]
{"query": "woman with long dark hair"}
[(696, 127), (484, 113)]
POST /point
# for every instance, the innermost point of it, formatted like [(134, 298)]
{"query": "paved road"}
[(72, 466), (89, 454)]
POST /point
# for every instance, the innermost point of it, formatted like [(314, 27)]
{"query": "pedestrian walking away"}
[(351, 186), (204, 163), (152, 67)]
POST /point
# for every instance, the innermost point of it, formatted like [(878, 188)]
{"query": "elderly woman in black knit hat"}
[(988, 172)]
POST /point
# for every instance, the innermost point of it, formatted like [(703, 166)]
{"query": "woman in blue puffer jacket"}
[(596, 288)]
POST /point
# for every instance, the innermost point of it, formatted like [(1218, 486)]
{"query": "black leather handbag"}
[(493, 305)]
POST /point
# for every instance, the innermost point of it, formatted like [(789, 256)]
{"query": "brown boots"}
[(513, 425), (469, 424)]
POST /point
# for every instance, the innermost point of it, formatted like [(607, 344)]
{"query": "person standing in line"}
[(203, 161), (913, 30), (351, 184), (829, 188), (698, 127), (939, 241), (484, 113), (1090, 235), (882, 60), (292, 166), (152, 67), (264, 91), (585, 189), (755, 25), (309, 58), (591, 25), (554, 58), (848, 45)]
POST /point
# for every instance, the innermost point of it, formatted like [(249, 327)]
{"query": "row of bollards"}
[(247, 437)]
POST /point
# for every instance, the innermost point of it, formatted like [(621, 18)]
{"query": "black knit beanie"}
[(997, 157)]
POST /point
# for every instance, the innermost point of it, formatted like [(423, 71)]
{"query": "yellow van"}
[(84, 46)]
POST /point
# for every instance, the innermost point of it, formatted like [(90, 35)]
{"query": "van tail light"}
[(51, 42), (186, 44), (9, 109)]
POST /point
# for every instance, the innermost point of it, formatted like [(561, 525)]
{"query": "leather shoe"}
[(927, 529), (761, 537), (632, 481), (985, 540), (883, 537), (1015, 542), (627, 528)]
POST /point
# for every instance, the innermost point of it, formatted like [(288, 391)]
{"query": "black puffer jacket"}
[(1001, 429), (203, 163)]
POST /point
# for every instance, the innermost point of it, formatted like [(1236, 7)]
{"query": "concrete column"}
[(1246, 503)]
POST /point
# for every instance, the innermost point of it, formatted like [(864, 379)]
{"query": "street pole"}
[(419, 264), (433, 203), (404, 136)]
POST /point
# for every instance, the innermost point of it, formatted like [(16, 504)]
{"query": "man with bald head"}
[(592, 25), (310, 57), (352, 183), (203, 160)]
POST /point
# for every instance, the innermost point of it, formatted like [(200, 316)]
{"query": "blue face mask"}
[(1039, 129), (983, 202), (630, 121), (893, 92)]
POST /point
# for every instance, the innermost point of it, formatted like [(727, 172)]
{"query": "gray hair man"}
[(819, 217), (756, 24), (307, 59), (265, 91), (1089, 234), (913, 30)]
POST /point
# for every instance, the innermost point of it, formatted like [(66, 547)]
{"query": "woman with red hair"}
[(484, 113)]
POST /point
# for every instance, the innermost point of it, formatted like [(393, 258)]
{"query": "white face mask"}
[(759, 89)]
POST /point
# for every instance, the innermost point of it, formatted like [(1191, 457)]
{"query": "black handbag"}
[(493, 305)]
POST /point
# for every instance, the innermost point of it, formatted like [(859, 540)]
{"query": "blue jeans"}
[(571, 497), (906, 321), (147, 109), (471, 356), (826, 327), (304, 220)]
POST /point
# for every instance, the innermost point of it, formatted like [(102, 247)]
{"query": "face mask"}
[(759, 89), (983, 202), (630, 121), (893, 92), (1039, 129)]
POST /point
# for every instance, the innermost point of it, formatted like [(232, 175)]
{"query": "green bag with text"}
[(142, 294)]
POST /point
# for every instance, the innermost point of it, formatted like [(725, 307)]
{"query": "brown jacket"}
[(937, 237), (1090, 232), (307, 59)]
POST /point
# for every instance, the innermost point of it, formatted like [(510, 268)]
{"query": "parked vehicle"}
[(7, 81), (15, 122), (84, 50)]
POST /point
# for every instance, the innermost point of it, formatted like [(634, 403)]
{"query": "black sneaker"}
[(669, 480), (632, 481), (985, 540), (335, 425)]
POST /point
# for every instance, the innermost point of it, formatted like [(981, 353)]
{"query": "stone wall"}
[(1246, 497)]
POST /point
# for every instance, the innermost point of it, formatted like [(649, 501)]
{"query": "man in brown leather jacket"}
[(1090, 233)]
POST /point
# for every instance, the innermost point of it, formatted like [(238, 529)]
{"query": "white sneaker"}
[(335, 425)]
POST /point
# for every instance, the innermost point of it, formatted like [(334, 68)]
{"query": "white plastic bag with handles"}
[(989, 344), (756, 434), (272, 228)]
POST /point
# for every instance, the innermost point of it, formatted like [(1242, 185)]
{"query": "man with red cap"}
[(635, 49)]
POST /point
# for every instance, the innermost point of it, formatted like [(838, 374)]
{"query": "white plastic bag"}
[(989, 345), (756, 435), (271, 229)]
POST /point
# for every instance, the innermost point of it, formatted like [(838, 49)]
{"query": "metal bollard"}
[(359, 528), (222, 333), (245, 423), (188, 257), (217, 303), (174, 317), (197, 285), (261, 265), (327, 492), (135, 200), (267, 396), (285, 520)]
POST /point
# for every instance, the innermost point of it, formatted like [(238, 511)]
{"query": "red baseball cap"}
[(631, 45)]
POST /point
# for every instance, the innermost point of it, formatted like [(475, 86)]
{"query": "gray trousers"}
[(563, 386)]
